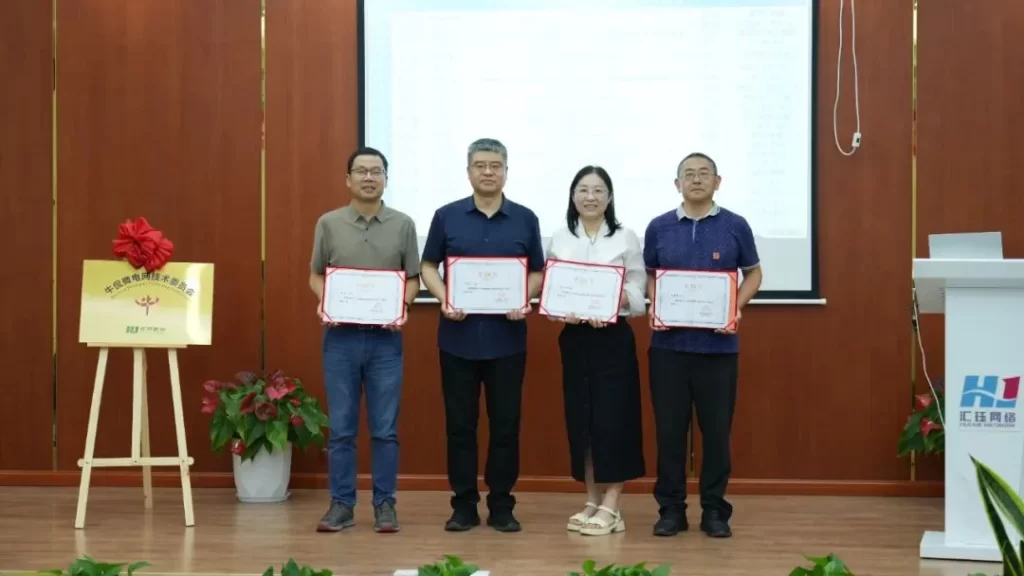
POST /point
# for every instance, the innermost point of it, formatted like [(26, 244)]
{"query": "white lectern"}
[(983, 301)]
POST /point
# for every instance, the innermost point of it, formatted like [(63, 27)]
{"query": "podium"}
[(983, 300)]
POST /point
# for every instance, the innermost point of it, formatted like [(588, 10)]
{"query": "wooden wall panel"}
[(816, 382), (822, 389), (159, 116), (969, 145), (312, 127), (26, 208)]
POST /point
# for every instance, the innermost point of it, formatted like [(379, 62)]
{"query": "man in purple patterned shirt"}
[(694, 368)]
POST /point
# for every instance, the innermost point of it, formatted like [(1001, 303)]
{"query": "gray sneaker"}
[(385, 518), (337, 518)]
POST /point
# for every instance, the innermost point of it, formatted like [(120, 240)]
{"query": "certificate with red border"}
[(585, 290), (477, 285), (695, 299), (358, 296)]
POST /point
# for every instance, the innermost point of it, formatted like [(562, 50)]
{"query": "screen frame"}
[(811, 296)]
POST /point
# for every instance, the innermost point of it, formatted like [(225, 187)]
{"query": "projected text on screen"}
[(631, 85)]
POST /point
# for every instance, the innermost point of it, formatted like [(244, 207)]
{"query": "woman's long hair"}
[(572, 215)]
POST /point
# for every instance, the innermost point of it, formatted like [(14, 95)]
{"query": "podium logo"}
[(990, 392), (989, 402)]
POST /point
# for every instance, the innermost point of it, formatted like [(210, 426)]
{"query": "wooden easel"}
[(140, 455)]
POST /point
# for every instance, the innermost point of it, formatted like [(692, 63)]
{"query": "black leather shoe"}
[(462, 520), (670, 524), (503, 521), (714, 525)]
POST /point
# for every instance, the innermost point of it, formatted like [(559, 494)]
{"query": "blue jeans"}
[(354, 356)]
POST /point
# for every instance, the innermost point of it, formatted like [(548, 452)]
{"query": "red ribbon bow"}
[(142, 245)]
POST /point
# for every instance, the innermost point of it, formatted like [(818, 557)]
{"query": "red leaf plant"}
[(262, 412), (142, 245)]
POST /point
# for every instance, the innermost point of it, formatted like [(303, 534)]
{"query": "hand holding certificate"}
[(582, 290), (485, 285), (694, 299), (354, 296)]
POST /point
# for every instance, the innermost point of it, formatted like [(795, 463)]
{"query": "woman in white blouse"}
[(600, 371)]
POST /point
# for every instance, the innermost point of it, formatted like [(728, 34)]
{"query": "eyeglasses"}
[(362, 172), (703, 175), (595, 192), (496, 167)]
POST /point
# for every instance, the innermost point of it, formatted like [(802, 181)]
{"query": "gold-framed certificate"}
[(581, 289)]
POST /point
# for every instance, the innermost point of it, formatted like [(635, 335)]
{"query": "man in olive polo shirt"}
[(364, 234), (692, 368)]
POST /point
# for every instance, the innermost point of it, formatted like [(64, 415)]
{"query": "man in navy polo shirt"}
[(696, 368), (482, 348)]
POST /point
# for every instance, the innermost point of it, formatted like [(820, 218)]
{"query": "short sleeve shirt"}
[(386, 241), (720, 240), (460, 229)]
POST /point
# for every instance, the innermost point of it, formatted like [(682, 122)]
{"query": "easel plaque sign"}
[(168, 307)]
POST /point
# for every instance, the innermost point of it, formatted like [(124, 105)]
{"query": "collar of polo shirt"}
[(715, 209), (470, 205), (382, 215)]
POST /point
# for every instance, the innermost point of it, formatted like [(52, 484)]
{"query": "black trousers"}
[(502, 379), (680, 383)]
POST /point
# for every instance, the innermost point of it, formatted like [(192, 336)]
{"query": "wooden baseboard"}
[(738, 486)]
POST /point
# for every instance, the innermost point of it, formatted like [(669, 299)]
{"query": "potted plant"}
[(451, 566), (590, 569), (292, 568), (261, 417), (86, 566), (1002, 500), (829, 565), (923, 431)]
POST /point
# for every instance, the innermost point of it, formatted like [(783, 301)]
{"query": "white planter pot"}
[(265, 477)]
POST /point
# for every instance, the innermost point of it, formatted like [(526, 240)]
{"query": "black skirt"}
[(601, 392)]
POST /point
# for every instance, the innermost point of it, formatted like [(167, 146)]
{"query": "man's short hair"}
[(367, 151), (714, 166), (487, 145)]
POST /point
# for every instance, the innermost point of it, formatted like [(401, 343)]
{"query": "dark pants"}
[(354, 357), (680, 383), (502, 379)]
